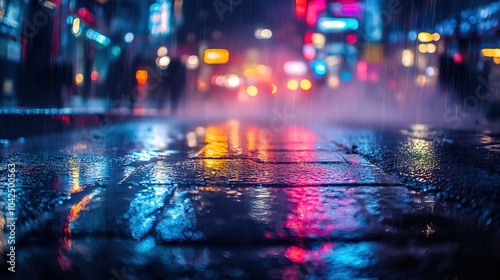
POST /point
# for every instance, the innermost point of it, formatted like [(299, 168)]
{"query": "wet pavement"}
[(168, 199)]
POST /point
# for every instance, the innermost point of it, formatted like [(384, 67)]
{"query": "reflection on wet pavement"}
[(227, 201)]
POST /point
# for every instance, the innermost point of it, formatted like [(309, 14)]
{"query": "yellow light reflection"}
[(74, 168), (217, 147), (234, 137), (252, 133)]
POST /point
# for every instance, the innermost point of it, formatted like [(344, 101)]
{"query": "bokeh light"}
[(292, 84), (252, 90), (193, 62), (79, 79), (162, 51), (305, 84)]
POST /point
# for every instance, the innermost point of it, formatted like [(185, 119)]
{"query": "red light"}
[(351, 39), (457, 58), (313, 9), (87, 16), (94, 76), (300, 8), (361, 70), (296, 254), (308, 38)]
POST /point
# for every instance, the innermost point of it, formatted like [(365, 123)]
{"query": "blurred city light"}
[(309, 52), (351, 9), (162, 51), (76, 28), (160, 18), (129, 37), (252, 90), (163, 62), (412, 35), (141, 76), (308, 38), (300, 8), (407, 58), (421, 80), (333, 60), (263, 70), (87, 16), (337, 24), (216, 56), (94, 76), (333, 81), (431, 48), (219, 80), (79, 79), (425, 37), (422, 48), (292, 84), (233, 81), (427, 48), (314, 8), (318, 40), (263, 34), (305, 84), (319, 67), (489, 52), (295, 68), (192, 62), (97, 37), (202, 86), (274, 89), (431, 71), (351, 39), (116, 51), (362, 70)]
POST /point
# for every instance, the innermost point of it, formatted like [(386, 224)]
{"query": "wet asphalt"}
[(241, 199)]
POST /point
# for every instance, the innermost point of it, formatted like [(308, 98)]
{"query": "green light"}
[(116, 51)]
